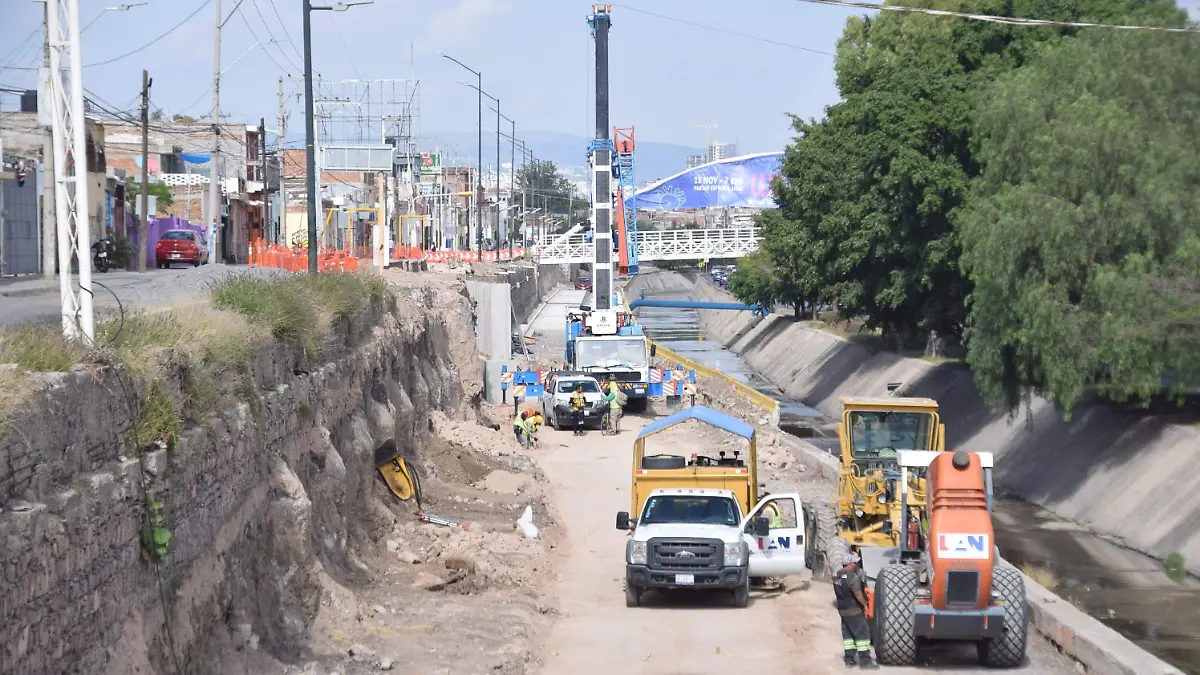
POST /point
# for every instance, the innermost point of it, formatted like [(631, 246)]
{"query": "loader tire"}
[(1008, 650), (894, 629), (835, 556), (825, 527)]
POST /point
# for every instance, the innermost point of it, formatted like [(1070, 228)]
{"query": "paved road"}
[(36, 300)]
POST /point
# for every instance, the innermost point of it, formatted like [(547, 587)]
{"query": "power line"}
[(346, 49), (272, 36), (155, 40), (1012, 21), (255, 36), (285, 31), (722, 30)]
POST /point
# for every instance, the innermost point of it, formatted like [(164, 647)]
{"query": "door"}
[(782, 552)]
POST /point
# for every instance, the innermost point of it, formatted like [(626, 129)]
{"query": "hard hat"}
[(851, 558)]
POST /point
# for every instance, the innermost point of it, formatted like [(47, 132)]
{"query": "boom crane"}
[(604, 320)]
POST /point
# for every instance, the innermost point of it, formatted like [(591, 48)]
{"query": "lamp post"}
[(512, 166), (310, 157), (497, 109), (479, 154)]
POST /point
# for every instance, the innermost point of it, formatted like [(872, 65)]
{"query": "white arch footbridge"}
[(735, 242)]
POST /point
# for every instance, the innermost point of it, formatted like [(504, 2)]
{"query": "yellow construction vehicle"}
[(867, 511)]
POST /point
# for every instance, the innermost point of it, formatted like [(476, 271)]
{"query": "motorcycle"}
[(100, 251)]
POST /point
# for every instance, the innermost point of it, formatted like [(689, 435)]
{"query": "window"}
[(786, 509), (879, 435), (178, 235), (588, 386), (611, 353), (700, 509)]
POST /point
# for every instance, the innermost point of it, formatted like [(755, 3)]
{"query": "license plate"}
[(174, 255), (685, 579)]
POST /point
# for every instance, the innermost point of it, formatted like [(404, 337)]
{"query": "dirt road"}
[(786, 631)]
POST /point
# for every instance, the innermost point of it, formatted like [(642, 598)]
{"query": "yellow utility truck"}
[(699, 522), (867, 510)]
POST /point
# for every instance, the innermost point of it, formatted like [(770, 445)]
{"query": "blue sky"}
[(668, 78)]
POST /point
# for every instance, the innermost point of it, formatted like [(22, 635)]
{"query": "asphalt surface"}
[(36, 300)]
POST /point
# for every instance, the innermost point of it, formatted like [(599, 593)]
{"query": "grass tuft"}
[(39, 348), (1044, 576), (159, 421)]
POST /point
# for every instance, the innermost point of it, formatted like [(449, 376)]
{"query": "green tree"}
[(868, 194), (180, 117), (1082, 237), (160, 191), (754, 281), (545, 184)]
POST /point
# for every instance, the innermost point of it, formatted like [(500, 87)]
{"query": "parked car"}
[(556, 401), (180, 246), (583, 284)]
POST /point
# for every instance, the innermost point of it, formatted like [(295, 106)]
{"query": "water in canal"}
[(1130, 592)]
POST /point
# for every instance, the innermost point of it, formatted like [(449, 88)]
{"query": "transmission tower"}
[(69, 138)]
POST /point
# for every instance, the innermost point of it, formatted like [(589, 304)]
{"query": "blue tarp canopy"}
[(698, 412), (193, 158), (737, 182)]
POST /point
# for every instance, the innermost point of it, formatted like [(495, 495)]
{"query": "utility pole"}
[(310, 155), (144, 227), (264, 227), (214, 176), (281, 225), (49, 215)]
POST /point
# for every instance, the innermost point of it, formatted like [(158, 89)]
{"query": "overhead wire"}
[(726, 31), (154, 41), (272, 36), (256, 38), (1008, 20), (285, 31)]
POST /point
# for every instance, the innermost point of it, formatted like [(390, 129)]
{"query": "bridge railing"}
[(662, 245)]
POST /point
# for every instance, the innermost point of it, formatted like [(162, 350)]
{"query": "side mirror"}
[(760, 526), (623, 522), (653, 351)]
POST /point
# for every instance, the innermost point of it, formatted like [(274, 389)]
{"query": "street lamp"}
[(497, 109), (512, 164), (310, 157), (119, 8), (479, 154)]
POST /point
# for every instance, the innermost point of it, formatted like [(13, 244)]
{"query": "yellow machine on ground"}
[(737, 473), (868, 511)]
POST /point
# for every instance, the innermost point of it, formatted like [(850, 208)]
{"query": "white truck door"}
[(782, 552)]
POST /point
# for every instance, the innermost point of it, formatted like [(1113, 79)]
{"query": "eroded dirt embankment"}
[(288, 554)]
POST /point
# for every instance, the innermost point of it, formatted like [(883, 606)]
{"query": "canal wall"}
[(1123, 472)]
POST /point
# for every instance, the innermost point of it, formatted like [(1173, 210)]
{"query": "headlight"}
[(858, 513), (637, 553), (882, 497), (733, 554)]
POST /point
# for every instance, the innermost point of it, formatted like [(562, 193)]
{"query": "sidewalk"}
[(19, 287)]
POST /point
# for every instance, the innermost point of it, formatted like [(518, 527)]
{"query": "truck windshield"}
[(878, 435), (611, 353), (588, 386), (691, 509)]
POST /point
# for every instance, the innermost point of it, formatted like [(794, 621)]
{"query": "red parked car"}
[(180, 246), (583, 284)]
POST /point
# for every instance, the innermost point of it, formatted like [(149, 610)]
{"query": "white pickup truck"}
[(687, 538)]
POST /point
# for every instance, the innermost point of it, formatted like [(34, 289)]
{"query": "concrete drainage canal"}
[(1151, 603)]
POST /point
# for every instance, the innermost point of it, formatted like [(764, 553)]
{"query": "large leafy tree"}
[(868, 194), (545, 186), (1082, 238)]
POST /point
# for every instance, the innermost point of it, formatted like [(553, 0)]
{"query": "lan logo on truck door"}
[(963, 546)]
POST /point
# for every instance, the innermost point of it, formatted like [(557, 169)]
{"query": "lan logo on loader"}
[(963, 546)]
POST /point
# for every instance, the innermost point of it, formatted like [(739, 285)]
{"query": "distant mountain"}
[(652, 160)]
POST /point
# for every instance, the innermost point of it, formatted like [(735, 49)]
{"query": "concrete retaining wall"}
[(1120, 471), (271, 493)]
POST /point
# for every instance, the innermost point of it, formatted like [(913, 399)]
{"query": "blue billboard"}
[(738, 182)]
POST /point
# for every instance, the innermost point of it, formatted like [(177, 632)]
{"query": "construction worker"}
[(852, 605), (578, 405), (521, 429), (614, 407), (771, 512), (532, 423)]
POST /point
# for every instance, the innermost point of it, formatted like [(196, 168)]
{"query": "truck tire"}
[(835, 556), (633, 595), (895, 594), (638, 405), (1008, 651), (664, 462), (819, 532), (741, 595)]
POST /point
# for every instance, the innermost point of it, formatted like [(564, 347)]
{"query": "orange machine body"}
[(961, 539)]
